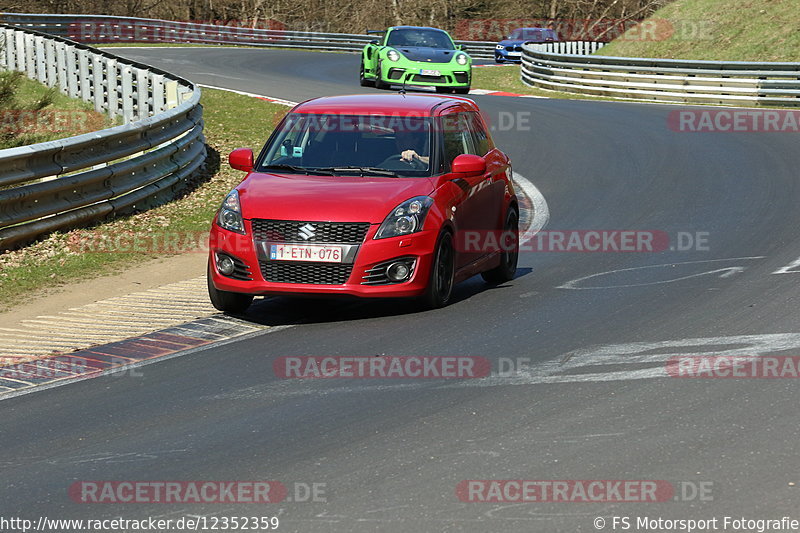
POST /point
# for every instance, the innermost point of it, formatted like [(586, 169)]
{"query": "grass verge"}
[(231, 121), (31, 112), (733, 30)]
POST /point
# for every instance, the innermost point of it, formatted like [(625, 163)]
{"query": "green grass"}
[(231, 121), (725, 30), (35, 113)]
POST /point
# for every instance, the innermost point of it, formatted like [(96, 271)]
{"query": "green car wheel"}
[(363, 80), (379, 83)]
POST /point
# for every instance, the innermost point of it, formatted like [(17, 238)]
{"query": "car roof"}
[(394, 104), (416, 28)]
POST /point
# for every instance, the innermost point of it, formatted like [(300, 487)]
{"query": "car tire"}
[(362, 79), (446, 90), (227, 302), (509, 257), (379, 83), (462, 90), (499, 61), (440, 283)]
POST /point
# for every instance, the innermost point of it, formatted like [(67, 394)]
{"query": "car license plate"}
[(515, 53), (299, 252), (426, 72)]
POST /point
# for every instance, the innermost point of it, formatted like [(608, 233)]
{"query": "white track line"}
[(280, 101), (541, 213)]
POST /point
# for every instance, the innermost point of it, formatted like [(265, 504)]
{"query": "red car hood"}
[(328, 198)]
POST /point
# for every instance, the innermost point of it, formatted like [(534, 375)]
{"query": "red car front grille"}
[(312, 273), (322, 232)]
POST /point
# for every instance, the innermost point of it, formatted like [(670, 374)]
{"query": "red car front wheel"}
[(440, 285)]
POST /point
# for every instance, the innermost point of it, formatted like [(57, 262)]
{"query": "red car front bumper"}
[(372, 252)]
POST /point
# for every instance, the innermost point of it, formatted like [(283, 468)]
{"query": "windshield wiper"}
[(372, 171), (308, 171)]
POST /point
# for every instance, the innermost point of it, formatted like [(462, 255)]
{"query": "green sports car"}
[(413, 55)]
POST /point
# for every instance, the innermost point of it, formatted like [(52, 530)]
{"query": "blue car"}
[(510, 49)]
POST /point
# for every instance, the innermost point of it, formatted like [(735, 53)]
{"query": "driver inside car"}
[(412, 147)]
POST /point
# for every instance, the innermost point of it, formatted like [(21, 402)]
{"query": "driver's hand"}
[(409, 155)]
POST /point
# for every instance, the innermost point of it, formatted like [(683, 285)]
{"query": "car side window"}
[(480, 136), (457, 138)]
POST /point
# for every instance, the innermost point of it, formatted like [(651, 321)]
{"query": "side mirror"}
[(460, 47), (374, 41), (469, 165), (241, 159)]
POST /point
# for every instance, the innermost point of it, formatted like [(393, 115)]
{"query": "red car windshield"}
[(366, 144)]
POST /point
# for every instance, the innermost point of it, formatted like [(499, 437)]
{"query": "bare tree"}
[(355, 16)]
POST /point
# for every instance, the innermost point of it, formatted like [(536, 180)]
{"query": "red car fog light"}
[(394, 271), (225, 265), (398, 271)]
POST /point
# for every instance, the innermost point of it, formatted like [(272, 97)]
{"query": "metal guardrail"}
[(69, 182), (569, 47), (109, 29), (709, 82)]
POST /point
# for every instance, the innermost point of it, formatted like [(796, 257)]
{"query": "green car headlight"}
[(392, 55), (462, 59)]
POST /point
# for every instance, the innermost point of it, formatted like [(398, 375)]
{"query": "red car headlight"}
[(230, 214), (406, 218)]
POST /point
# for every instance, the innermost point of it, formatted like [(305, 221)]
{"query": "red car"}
[(369, 196)]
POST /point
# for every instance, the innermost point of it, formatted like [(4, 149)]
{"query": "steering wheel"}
[(415, 163)]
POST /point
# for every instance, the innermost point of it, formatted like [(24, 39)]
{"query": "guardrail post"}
[(61, 67), (19, 51), (99, 84), (184, 93), (30, 57), (73, 86), (83, 76), (8, 49), (171, 89), (50, 62), (127, 94), (3, 49), (112, 87), (158, 93), (40, 59), (143, 104)]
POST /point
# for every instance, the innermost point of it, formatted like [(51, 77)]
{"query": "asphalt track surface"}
[(391, 453)]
